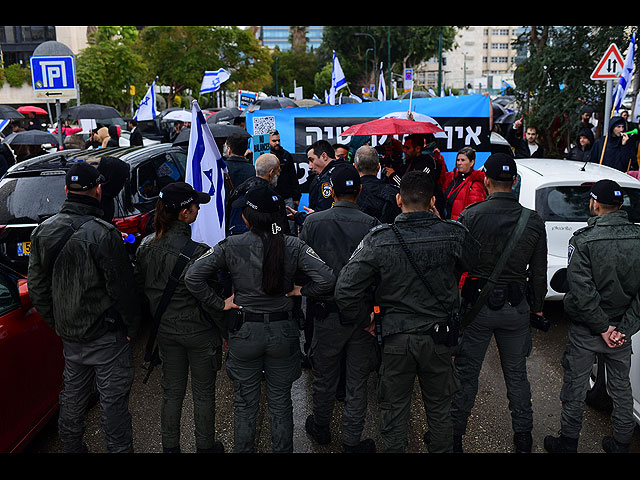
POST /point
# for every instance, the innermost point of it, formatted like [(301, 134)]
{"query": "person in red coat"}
[(463, 185)]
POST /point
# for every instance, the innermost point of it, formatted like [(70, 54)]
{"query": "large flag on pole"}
[(625, 78), (338, 80), (382, 91), (212, 80), (205, 173), (147, 108)]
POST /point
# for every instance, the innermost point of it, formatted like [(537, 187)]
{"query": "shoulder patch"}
[(572, 249), (312, 253), (378, 228), (582, 230)]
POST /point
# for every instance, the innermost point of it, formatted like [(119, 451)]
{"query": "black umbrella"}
[(275, 102), (219, 130), (225, 115), (90, 110), (9, 113), (31, 137), (416, 94)]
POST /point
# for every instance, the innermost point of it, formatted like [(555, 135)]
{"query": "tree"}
[(409, 46), (179, 56), (108, 66), (553, 83)]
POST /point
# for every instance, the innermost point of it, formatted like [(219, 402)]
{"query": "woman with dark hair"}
[(263, 336), (188, 340), (464, 185)]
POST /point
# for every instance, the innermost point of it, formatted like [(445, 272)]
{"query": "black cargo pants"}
[(110, 359)]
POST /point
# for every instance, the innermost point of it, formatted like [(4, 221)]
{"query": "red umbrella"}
[(391, 126), (32, 109)]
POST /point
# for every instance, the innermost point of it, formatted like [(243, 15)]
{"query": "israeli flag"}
[(625, 78), (205, 173), (3, 123), (338, 80), (212, 80), (382, 91), (147, 108)]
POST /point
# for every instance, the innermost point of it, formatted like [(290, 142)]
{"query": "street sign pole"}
[(607, 107)]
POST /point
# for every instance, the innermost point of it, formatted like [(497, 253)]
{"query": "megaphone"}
[(632, 132)]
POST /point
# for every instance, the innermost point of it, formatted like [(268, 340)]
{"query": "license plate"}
[(24, 248)]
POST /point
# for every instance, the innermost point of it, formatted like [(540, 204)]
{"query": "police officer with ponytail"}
[(263, 336), (188, 340)]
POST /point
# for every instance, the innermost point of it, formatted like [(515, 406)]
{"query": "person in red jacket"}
[(463, 185)]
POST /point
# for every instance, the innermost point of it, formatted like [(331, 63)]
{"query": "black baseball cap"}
[(345, 179), (83, 176), (179, 195), (607, 192), (261, 198), (500, 166)]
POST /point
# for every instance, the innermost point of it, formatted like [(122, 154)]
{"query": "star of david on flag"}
[(147, 108), (212, 80), (205, 173)]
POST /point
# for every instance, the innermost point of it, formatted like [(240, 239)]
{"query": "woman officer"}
[(263, 336), (187, 339)]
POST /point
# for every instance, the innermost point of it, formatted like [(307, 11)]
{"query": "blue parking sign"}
[(53, 75)]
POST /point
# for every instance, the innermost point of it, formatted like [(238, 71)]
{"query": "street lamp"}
[(375, 58)]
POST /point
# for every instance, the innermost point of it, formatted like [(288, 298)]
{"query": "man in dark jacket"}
[(584, 143), (135, 140), (377, 198), (527, 147), (603, 304), (87, 295), (288, 186), (334, 234), (380, 273), (238, 166), (618, 152), (322, 162), (505, 311)]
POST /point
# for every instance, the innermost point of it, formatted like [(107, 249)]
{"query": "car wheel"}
[(597, 395)]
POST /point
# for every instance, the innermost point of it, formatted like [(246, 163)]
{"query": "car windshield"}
[(30, 199), (571, 203)]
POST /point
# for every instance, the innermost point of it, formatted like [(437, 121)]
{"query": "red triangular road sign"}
[(610, 67)]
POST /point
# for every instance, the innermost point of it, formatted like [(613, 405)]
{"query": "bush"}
[(16, 75)]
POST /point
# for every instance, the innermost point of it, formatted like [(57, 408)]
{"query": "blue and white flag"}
[(212, 80), (205, 173), (147, 108), (382, 91), (338, 80), (3, 123), (625, 78)]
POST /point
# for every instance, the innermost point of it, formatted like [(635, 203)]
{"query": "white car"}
[(559, 191)]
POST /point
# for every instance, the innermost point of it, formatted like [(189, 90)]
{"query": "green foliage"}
[(297, 65), (553, 83), (108, 66), (16, 76), (180, 55)]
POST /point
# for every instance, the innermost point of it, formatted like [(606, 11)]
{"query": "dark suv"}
[(33, 190)]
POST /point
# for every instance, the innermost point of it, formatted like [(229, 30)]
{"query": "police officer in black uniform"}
[(334, 234), (322, 161), (505, 314)]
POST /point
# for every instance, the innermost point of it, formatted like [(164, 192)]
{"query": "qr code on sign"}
[(263, 125)]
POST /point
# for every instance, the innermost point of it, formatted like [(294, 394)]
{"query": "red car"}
[(31, 365)]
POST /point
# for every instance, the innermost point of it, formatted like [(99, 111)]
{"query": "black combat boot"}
[(217, 448), (560, 444), (320, 434), (523, 442), (365, 446), (611, 445)]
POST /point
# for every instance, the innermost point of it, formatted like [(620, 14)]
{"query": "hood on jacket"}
[(585, 132), (115, 172), (615, 121)]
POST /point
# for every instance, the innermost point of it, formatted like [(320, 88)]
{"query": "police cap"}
[(82, 177), (261, 198), (345, 179), (607, 192), (500, 166), (179, 195)]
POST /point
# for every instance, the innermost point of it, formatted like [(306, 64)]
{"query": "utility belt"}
[(237, 317), (513, 293)]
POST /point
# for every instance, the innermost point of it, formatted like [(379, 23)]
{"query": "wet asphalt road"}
[(489, 429)]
